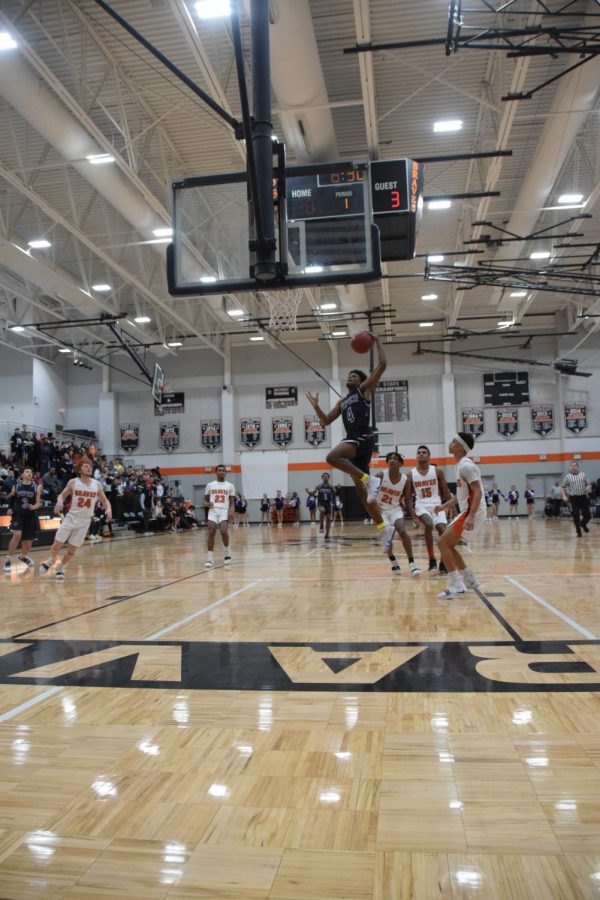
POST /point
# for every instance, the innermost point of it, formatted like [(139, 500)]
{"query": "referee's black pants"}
[(580, 510)]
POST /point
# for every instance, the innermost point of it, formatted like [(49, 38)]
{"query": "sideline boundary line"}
[(4, 717), (553, 609)]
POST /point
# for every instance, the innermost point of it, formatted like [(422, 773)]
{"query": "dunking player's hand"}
[(312, 399)]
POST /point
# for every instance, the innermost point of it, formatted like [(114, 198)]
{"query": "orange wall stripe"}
[(379, 462)]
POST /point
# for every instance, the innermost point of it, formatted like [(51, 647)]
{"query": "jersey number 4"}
[(84, 501)]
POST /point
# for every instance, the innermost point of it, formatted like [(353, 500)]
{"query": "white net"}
[(283, 307)]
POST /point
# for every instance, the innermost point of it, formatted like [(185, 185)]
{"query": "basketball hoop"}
[(283, 307)]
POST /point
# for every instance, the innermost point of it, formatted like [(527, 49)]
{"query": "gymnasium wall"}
[(200, 375)]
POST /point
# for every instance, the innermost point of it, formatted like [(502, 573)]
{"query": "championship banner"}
[(472, 421), (130, 436), (507, 421), (314, 433), (576, 417), (542, 419), (172, 403), (210, 434), (283, 431), (280, 397), (169, 436), (250, 433), (391, 401)]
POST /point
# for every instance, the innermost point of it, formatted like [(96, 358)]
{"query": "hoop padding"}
[(283, 307)]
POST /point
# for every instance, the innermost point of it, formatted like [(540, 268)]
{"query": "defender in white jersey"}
[(84, 492), (219, 497), (470, 519), (396, 488), (431, 489)]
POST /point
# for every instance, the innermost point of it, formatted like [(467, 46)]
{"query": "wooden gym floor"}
[(302, 724)]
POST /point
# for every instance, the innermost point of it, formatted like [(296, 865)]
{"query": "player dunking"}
[(25, 498), (84, 492), (396, 486), (430, 490), (353, 454), (471, 518), (219, 497)]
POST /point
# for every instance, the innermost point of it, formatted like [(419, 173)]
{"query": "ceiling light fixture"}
[(174, 344), (570, 198), (312, 270), (429, 297), (506, 323), (235, 313), (7, 42), (142, 320), (163, 240), (519, 294), (17, 328), (439, 204), (426, 324), (162, 232), (540, 254), (100, 159), (208, 279), (63, 350), (435, 258), (446, 125), (41, 244), (325, 306), (213, 9), (257, 338), (101, 288), (339, 333)]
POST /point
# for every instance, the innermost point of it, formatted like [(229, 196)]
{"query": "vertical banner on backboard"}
[(169, 436), (576, 417), (472, 421), (507, 421), (283, 430), (542, 419), (210, 434), (314, 433), (250, 432), (130, 436)]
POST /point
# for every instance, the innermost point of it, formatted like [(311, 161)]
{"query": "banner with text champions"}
[(283, 431), (210, 434), (576, 417), (542, 419), (391, 401), (472, 421), (130, 436), (314, 433), (507, 421), (169, 436), (250, 433), (280, 397)]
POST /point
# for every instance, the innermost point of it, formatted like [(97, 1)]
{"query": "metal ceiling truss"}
[(548, 279), (493, 241), (553, 34)]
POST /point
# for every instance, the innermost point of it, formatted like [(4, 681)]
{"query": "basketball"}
[(361, 342)]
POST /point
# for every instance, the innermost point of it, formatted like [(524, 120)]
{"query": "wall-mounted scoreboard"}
[(506, 388)]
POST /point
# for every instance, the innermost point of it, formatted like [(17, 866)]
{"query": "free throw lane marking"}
[(23, 706), (552, 609), (163, 631)]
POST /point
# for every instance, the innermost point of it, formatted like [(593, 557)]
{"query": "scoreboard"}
[(337, 190), (506, 388)]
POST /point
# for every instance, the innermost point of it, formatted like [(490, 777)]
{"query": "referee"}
[(575, 486)]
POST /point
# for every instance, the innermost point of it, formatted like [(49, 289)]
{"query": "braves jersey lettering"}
[(390, 494), (219, 493), (83, 499), (427, 486)]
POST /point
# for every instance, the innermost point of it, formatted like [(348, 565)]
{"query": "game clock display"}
[(330, 194)]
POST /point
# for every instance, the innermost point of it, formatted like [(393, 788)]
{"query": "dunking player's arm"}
[(68, 490)]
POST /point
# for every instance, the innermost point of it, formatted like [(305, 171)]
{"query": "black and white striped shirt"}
[(575, 484)]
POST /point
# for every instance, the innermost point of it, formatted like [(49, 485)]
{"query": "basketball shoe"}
[(453, 590), (386, 537), (27, 560), (373, 487), (432, 568), (470, 579), (414, 569)]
